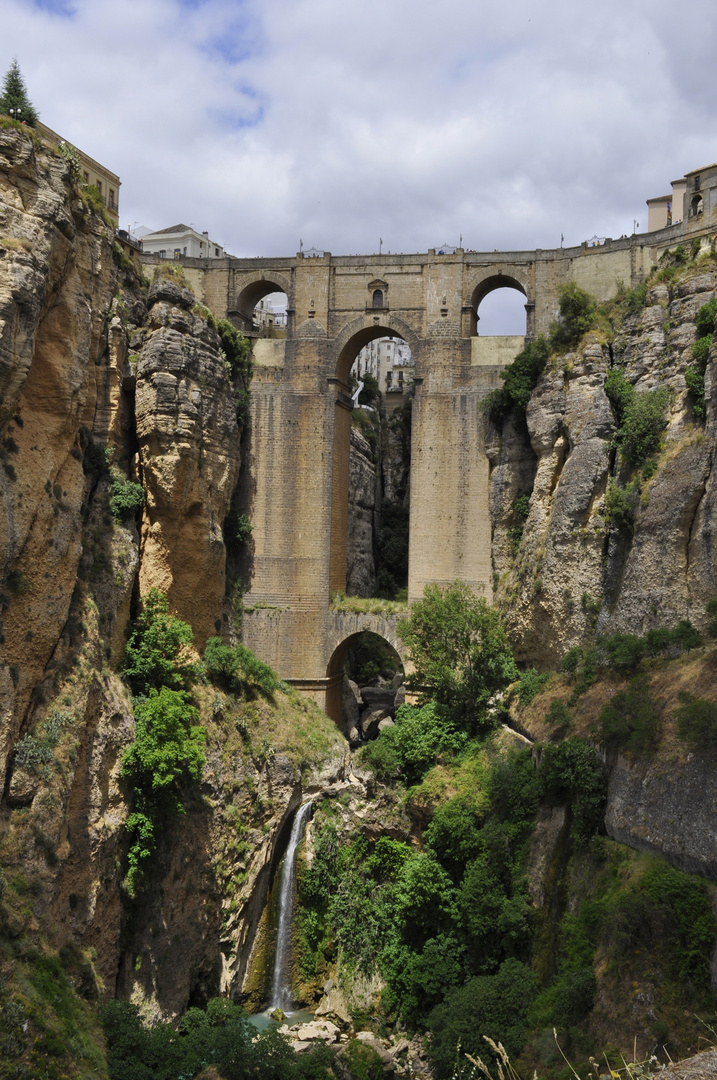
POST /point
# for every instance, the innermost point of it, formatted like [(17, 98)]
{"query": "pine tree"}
[(14, 96)]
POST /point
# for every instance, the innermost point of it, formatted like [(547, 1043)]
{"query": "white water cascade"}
[(281, 991)]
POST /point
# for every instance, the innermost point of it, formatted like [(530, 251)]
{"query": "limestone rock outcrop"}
[(56, 283), (566, 571), (188, 438)]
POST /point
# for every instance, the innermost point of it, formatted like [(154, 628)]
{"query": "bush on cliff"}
[(156, 654), (460, 652), (235, 669), (164, 757)]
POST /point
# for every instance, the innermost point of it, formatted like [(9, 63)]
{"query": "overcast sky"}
[(337, 122)]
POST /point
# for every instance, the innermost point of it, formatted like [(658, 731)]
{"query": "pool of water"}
[(263, 1020)]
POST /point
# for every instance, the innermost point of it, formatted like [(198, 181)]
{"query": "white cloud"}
[(267, 121)]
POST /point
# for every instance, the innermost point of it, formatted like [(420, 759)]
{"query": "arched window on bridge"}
[(377, 301), (269, 316), (502, 312), (372, 686)]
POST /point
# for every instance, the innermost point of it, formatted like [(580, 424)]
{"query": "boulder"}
[(370, 721), (378, 697), (386, 723)]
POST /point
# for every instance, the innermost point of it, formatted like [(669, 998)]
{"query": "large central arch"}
[(347, 346)]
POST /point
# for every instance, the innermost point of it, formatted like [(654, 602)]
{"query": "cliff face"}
[(571, 572), (188, 439), (103, 382), (56, 283)]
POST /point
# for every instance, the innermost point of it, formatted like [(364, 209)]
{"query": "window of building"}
[(696, 206), (697, 182), (377, 298), (112, 196), (216, 250), (98, 185), (86, 177), (163, 253)]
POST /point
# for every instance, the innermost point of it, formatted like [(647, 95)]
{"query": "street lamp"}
[(15, 113)]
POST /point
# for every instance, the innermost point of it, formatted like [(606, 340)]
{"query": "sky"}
[(342, 124)]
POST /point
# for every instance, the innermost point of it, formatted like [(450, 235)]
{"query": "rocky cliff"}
[(569, 569), (108, 382)]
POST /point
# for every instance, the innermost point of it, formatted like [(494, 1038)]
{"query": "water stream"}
[(281, 988)]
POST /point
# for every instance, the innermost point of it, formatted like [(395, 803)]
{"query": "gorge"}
[(542, 863)]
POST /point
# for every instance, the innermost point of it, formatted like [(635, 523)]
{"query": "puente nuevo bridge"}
[(296, 469)]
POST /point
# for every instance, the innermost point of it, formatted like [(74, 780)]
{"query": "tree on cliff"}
[(14, 100), (460, 651)]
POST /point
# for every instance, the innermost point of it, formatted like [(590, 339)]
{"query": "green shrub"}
[(559, 715), (697, 723), (530, 684), (705, 318), (620, 506), (630, 721), (409, 748), (493, 1005), (519, 380), (620, 393), (712, 612), (577, 315), (237, 670), (460, 652), (521, 509), (643, 424), (573, 772), (695, 374), (156, 653), (126, 498), (361, 1061), (164, 757), (623, 650), (674, 909)]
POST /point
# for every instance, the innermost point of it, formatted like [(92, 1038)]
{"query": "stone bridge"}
[(296, 467)]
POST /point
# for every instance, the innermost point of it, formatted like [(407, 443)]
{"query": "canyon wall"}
[(572, 572)]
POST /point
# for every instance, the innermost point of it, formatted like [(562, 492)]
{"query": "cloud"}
[(267, 121)]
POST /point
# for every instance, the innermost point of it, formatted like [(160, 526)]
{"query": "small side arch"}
[(490, 282), (348, 629), (251, 290)]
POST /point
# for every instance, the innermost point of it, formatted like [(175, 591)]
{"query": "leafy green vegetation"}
[(407, 750), (237, 670), (126, 497), (164, 757), (630, 720), (578, 313), (460, 652), (156, 652), (519, 380), (530, 684), (624, 652), (219, 1036), (35, 753), (695, 373), (697, 723)]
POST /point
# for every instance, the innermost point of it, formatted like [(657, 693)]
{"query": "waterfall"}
[(281, 991)]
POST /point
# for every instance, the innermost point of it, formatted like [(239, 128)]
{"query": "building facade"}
[(181, 241), (106, 182)]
